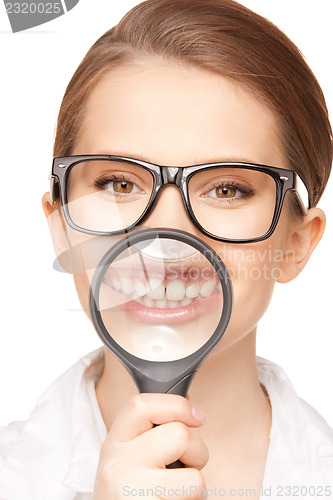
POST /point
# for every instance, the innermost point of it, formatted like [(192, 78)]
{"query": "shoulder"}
[(301, 439)]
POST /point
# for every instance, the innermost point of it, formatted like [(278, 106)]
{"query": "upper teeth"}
[(140, 288), (155, 293), (207, 288), (175, 290), (126, 285), (156, 289), (192, 290)]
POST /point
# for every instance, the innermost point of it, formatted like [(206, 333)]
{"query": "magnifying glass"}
[(161, 301)]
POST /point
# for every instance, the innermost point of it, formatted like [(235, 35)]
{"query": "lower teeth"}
[(164, 303)]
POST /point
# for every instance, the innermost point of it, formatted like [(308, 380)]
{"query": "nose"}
[(169, 211)]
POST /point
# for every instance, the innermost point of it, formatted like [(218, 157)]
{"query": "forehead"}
[(178, 115)]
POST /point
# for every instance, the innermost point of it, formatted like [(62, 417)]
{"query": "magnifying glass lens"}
[(160, 300)]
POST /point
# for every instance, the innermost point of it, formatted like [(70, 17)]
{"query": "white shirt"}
[(54, 454)]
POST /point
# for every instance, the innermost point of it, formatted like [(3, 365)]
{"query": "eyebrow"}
[(196, 161)]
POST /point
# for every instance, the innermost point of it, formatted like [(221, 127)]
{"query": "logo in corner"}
[(26, 15)]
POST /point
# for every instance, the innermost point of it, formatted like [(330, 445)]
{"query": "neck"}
[(235, 400)]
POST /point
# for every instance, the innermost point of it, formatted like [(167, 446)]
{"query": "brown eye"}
[(122, 186), (225, 192)]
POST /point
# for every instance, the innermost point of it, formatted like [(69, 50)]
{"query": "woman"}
[(178, 85)]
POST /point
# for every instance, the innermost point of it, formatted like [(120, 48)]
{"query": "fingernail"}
[(198, 415)]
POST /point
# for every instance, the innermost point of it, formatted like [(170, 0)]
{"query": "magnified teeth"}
[(162, 304), (148, 302), (115, 284), (208, 288), (154, 294), (173, 303), (186, 301), (140, 289), (156, 289), (126, 285), (175, 290), (192, 290)]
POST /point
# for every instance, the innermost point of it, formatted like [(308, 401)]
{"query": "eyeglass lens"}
[(228, 202)]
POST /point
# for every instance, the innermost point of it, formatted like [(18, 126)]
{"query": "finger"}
[(145, 410), (168, 443)]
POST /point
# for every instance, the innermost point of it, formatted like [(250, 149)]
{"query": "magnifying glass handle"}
[(176, 465)]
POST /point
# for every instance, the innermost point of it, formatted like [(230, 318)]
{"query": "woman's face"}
[(179, 116)]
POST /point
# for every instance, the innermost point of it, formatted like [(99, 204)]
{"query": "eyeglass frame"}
[(285, 180)]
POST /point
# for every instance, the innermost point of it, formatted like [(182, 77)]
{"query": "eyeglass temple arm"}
[(301, 193), (54, 188)]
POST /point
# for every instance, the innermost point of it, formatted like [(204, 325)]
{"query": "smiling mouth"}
[(163, 299)]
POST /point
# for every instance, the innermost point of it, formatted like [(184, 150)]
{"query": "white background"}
[(42, 331)]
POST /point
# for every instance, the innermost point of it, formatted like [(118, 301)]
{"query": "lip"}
[(155, 315)]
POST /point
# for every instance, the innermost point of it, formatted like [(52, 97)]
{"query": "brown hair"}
[(227, 38)]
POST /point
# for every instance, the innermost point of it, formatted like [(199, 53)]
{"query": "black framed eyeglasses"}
[(233, 202)]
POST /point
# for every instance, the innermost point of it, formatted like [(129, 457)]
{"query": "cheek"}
[(84, 253), (254, 270), (251, 299)]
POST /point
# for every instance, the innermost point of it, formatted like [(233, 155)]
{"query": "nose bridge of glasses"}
[(170, 175), (174, 176)]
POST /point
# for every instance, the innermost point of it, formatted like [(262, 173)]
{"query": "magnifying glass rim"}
[(145, 365)]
